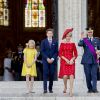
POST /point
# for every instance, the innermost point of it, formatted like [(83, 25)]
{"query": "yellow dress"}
[(30, 56)]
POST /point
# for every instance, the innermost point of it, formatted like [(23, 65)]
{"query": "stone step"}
[(17, 91)]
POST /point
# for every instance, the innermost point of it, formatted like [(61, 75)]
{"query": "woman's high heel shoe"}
[(71, 94), (64, 91)]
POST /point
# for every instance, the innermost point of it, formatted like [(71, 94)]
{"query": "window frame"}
[(6, 26), (30, 29)]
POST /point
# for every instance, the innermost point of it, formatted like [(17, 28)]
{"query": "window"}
[(4, 13), (34, 13)]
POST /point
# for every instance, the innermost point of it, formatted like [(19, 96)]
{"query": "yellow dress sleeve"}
[(35, 52), (24, 51)]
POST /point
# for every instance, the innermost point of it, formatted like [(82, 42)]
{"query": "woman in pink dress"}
[(67, 54)]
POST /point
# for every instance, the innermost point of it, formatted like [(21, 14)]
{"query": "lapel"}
[(52, 43), (91, 41), (47, 43), (94, 42)]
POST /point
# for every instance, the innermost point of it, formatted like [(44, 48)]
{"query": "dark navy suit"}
[(90, 63), (48, 51)]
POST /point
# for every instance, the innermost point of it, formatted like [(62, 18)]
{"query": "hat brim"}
[(67, 32)]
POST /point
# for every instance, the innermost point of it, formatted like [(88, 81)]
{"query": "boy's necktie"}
[(50, 42)]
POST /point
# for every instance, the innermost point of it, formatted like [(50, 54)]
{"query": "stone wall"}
[(72, 13)]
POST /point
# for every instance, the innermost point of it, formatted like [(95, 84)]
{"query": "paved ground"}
[(18, 91)]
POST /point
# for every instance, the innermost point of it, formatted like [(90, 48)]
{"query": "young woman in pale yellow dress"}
[(29, 65)]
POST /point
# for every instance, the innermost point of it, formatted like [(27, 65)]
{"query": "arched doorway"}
[(16, 32)]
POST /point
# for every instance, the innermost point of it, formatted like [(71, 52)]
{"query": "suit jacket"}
[(48, 51), (88, 57)]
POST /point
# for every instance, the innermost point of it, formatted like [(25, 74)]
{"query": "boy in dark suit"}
[(49, 51), (90, 45)]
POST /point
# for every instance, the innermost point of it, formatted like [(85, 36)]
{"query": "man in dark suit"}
[(90, 45), (49, 51)]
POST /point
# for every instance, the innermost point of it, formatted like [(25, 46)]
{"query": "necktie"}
[(50, 42), (90, 40)]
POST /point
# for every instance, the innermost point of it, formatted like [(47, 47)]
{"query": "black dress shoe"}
[(45, 91), (50, 91), (90, 91), (95, 91)]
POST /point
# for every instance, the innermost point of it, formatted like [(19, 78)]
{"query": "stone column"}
[(72, 13)]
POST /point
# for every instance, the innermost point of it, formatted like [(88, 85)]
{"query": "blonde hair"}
[(70, 34), (32, 41)]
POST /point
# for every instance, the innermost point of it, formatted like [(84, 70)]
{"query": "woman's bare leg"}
[(65, 83), (71, 84)]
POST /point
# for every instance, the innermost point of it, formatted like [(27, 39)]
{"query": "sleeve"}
[(5, 63), (35, 52), (24, 51), (35, 55), (56, 52), (98, 44), (43, 50), (60, 50), (81, 43), (75, 51)]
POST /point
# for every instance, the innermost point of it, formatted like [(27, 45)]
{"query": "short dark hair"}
[(50, 29)]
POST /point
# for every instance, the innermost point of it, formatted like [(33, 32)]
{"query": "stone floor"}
[(17, 91)]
